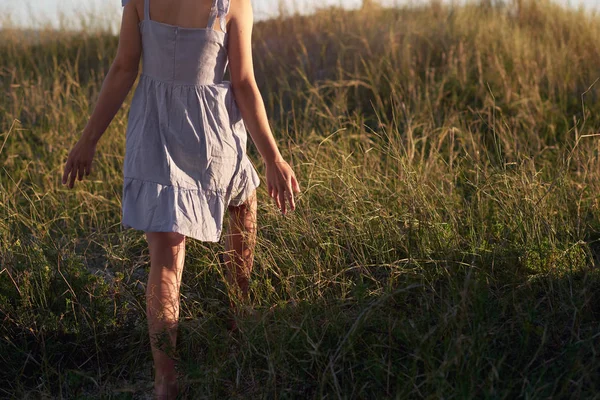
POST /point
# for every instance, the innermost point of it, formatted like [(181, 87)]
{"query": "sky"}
[(67, 13)]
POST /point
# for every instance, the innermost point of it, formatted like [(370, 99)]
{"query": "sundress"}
[(185, 147)]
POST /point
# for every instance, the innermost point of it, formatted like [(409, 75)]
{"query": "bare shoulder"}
[(240, 12), (129, 49), (137, 5)]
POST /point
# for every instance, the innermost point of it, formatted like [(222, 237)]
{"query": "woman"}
[(185, 157)]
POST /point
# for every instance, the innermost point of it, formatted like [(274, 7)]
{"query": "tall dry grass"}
[(445, 243)]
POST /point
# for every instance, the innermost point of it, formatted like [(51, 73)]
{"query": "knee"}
[(165, 239)]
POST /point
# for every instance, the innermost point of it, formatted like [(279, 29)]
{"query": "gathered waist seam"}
[(179, 83)]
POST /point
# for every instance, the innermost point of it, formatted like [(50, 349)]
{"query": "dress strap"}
[(147, 9), (219, 8), (213, 14)]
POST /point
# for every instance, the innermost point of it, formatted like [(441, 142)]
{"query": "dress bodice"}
[(185, 56)]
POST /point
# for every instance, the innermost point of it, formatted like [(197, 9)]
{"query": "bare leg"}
[(167, 254), (240, 241)]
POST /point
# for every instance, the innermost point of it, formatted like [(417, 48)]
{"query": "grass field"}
[(445, 244)]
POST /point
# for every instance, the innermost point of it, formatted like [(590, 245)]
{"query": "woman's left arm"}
[(116, 86)]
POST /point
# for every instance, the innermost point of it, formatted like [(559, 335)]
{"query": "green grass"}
[(445, 243)]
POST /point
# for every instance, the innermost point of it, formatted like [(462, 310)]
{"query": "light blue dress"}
[(185, 151)]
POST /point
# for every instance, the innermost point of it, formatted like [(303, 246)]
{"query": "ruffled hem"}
[(153, 207), (248, 181)]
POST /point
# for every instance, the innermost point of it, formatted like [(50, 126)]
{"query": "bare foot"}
[(166, 390)]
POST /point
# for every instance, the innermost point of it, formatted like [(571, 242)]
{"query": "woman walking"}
[(185, 154)]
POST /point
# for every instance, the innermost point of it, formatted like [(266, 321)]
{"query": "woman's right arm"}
[(121, 75), (117, 84), (281, 180)]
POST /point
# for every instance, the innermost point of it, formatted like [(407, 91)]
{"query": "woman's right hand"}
[(79, 162), (281, 183)]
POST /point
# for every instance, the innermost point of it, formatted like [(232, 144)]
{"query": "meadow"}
[(445, 243)]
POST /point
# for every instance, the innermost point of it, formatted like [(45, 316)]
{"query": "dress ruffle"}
[(197, 213), (248, 180), (153, 207)]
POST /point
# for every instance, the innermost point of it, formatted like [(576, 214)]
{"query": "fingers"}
[(72, 170), (68, 167), (289, 193), (80, 171), (281, 197), (295, 184), (290, 197), (276, 198), (76, 171), (282, 189), (79, 162), (285, 195), (73, 176), (273, 194)]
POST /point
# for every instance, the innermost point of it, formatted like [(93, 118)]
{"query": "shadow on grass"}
[(450, 329)]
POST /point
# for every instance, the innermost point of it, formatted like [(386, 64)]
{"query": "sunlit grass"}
[(445, 243)]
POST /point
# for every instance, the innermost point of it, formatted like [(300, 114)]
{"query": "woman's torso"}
[(187, 54)]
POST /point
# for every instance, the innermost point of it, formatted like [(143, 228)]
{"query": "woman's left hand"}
[(281, 184), (79, 162)]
